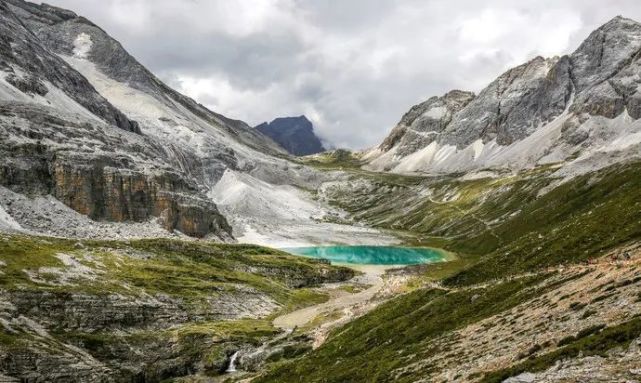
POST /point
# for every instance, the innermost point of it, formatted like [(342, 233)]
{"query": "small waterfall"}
[(232, 363)]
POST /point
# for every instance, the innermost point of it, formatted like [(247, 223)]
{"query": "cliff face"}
[(75, 160), (59, 136), (294, 134), (546, 110), (113, 194)]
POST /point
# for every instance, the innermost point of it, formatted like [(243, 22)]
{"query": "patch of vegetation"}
[(251, 331), (334, 159), (354, 288), (576, 306), (588, 313), (322, 318), (592, 341), (577, 221), (289, 352), (400, 331), (189, 270)]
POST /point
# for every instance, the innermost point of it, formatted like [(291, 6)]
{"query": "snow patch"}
[(82, 45), (478, 147)]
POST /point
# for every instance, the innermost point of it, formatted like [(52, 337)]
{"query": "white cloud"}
[(353, 67)]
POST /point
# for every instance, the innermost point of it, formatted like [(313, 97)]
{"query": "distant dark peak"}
[(294, 134), (299, 118)]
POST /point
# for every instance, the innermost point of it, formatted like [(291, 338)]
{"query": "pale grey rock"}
[(424, 122), (513, 106), (533, 114), (21, 50)]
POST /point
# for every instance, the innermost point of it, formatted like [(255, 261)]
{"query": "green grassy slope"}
[(399, 333), (516, 231), (61, 283), (189, 270), (574, 222)]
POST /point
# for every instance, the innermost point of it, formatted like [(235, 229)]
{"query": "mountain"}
[(119, 197), (61, 138), (294, 134), (533, 184), (108, 178), (94, 145), (581, 108), (87, 129)]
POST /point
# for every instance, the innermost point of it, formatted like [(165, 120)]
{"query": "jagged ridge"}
[(532, 114)]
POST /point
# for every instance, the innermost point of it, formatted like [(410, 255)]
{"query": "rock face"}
[(294, 134), (83, 121), (46, 152), (533, 114), (27, 64), (422, 124)]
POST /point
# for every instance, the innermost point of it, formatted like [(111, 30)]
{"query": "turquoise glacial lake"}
[(370, 255)]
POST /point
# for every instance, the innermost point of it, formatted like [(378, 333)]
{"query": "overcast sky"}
[(352, 66)]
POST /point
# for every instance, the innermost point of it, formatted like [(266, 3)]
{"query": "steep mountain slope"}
[(580, 108), (546, 282), (294, 134), (60, 137), (71, 92)]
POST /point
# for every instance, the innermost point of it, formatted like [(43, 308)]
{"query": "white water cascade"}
[(232, 363)]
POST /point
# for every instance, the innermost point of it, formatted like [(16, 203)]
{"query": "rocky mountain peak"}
[(600, 78), (34, 70), (421, 124), (606, 51), (294, 134)]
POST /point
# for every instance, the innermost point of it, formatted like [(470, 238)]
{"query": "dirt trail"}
[(342, 300)]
